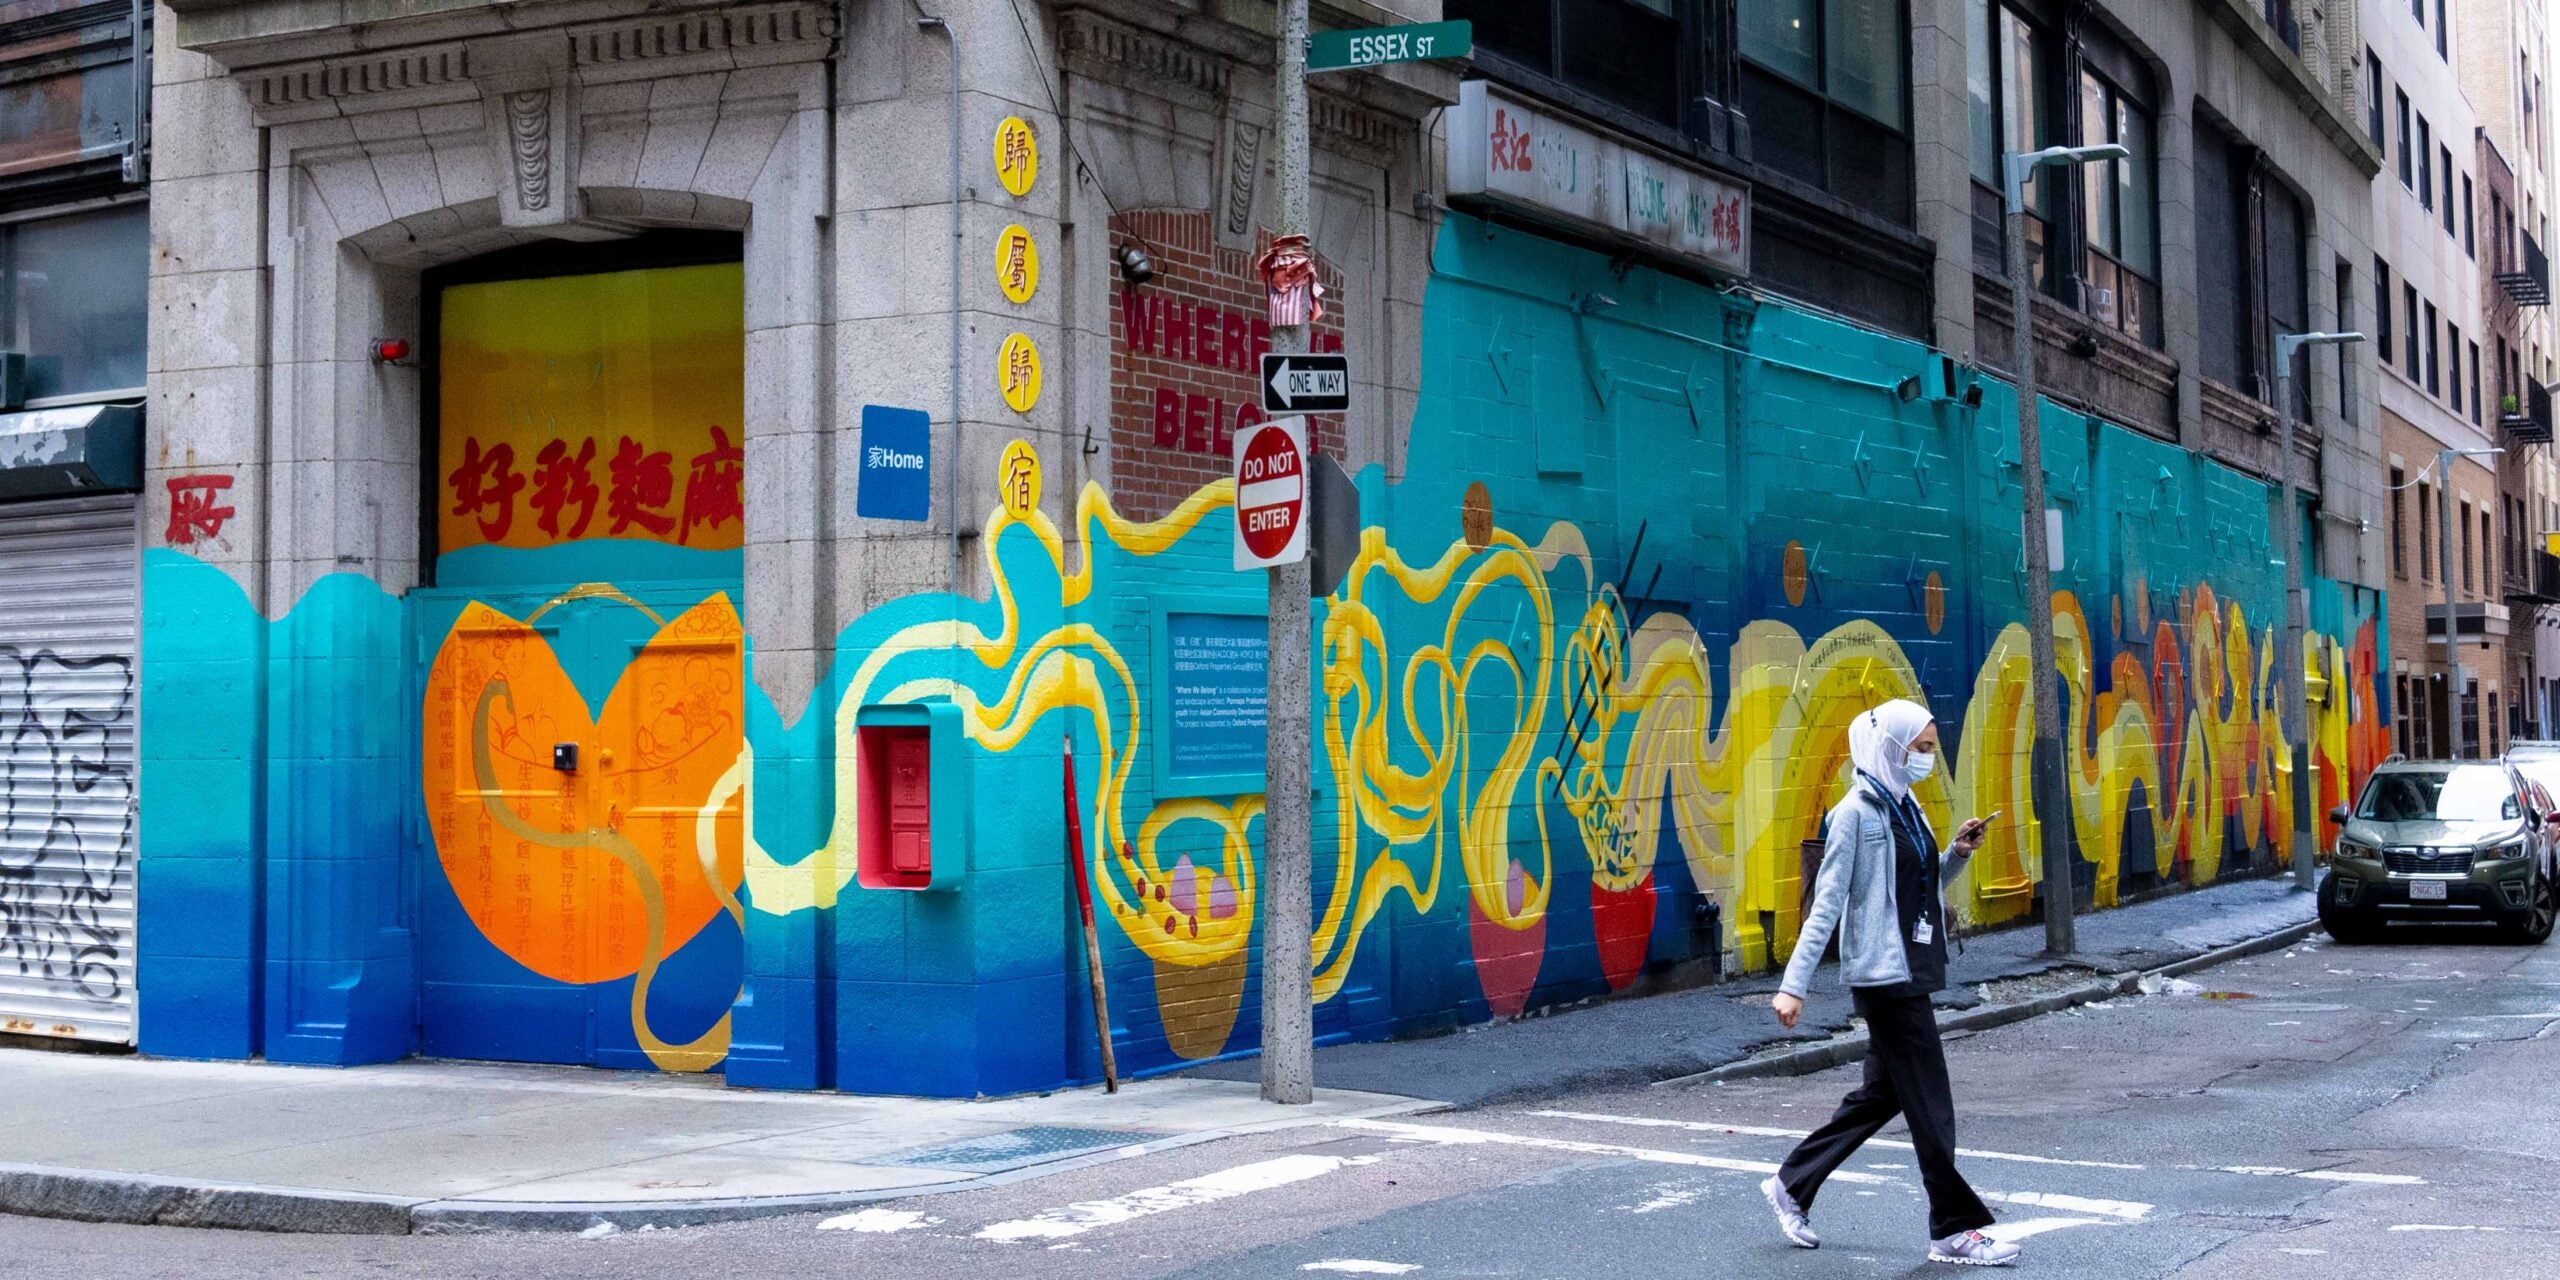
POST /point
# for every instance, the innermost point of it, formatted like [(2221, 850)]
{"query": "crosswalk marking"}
[(2126, 1210), (1455, 1137), (1764, 1131), (1076, 1219)]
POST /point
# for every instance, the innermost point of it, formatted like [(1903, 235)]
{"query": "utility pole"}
[(1288, 874), (2052, 801), (2297, 606)]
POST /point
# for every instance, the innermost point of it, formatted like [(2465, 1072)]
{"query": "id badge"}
[(1922, 932)]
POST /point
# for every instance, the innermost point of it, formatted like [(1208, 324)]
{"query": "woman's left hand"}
[(1969, 836)]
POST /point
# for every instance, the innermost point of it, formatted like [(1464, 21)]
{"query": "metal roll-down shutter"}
[(69, 590)]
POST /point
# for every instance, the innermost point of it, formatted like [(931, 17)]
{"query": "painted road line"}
[(2315, 1175), (1449, 1136), (1362, 1267), (1764, 1131), (2025, 1227), (2440, 1226), (1076, 1219), (878, 1221), (2123, 1210)]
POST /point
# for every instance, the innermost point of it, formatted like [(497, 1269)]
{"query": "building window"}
[(2444, 34), (2373, 99), (2009, 85), (2444, 165), (2118, 204), (2470, 246), (73, 300), (2475, 384), (2409, 332), (2399, 530), (2346, 304), (2465, 525), (1826, 85), (2426, 165), (2488, 551), (2435, 383), (2408, 148), (2453, 355), (2426, 533), (1624, 53), (2382, 311)]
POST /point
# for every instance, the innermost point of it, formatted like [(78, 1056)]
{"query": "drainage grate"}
[(1013, 1148)]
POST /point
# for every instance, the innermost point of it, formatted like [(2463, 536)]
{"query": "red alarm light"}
[(390, 350)]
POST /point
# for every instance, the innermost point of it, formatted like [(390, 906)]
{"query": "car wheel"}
[(2533, 925), (2344, 923)]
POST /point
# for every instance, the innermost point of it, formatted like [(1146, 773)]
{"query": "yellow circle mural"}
[(1793, 573), (1017, 155), (1017, 263), (1018, 372), (1018, 480)]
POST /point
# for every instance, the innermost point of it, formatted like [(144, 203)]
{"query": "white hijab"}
[(1879, 738)]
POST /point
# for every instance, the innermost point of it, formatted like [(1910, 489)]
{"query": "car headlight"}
[(2515, 848), (2358, 849)]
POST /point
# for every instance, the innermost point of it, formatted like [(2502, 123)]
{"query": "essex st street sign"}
[(1377, 46), (1306, 383)]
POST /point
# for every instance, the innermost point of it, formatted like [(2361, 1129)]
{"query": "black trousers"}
[(1906, 1076)]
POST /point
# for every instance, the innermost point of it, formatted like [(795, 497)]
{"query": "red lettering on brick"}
[(1232, 355), (1168, 418), (1138, 320), (1198, 413)]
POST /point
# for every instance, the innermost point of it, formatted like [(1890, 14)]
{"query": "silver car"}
[(2445, 841)]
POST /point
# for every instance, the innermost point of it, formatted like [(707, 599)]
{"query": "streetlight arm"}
[(2020, 163)]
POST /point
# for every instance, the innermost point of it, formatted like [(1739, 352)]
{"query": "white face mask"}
[(1917, 765)]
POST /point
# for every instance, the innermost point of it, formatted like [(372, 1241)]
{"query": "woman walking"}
[(1881, 884)]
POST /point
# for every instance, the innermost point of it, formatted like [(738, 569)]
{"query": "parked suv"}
[(2445, 840)]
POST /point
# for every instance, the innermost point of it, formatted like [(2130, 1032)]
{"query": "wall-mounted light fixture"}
[(1136, 268)]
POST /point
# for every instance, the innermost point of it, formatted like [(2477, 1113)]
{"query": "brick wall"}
[(1186, 356)]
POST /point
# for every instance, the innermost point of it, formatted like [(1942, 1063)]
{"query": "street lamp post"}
[(2297, 702), (2052, 803), (2452, 624)]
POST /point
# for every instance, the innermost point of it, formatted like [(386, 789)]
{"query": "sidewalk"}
[(455, 1146), (1630, 1042)]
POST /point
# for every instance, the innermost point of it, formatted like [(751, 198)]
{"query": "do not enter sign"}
[(1271, 494)]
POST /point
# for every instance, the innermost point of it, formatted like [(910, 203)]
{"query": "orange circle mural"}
[(1933, 597), (548, 862), (1793, 572)]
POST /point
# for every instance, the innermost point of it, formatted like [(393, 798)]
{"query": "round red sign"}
[(1271, 491)]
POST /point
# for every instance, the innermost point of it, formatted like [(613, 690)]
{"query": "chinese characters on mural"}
[(640, 487)]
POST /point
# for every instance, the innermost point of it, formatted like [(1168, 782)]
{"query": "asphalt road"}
[(2324, 1112)]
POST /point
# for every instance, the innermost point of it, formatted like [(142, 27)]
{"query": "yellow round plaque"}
[(1017, 155), (1017, 263), (1018, 479), (1018, 372)]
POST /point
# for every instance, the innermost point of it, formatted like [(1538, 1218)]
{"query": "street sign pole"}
[(1288, 865)]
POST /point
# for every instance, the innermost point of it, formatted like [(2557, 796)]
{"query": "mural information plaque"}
[(1215, 690)]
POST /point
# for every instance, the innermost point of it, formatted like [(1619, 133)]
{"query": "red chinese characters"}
[(715, 488), (485, 486), (562, 479), (1508, 144), (643, 484), (192, 513)]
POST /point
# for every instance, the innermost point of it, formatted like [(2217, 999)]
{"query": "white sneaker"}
[(1791, 1221), (1974, 1249)]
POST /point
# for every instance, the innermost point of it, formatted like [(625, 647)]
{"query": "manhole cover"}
[(1013, 1148)]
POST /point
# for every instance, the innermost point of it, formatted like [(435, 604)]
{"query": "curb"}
[(1844, 1049), (92, 1195)]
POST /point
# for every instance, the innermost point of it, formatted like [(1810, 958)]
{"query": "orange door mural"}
[(588, 878)]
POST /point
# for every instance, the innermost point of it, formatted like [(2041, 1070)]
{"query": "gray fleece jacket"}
[(1854, 892)]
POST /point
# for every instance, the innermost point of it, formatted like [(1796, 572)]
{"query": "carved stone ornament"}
[(529, 145)]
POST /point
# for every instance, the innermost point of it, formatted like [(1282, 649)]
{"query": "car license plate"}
[(2426, 891)]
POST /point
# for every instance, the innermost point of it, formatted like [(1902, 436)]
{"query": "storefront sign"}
[(895, 480), (1215, 690), (1505, 151)]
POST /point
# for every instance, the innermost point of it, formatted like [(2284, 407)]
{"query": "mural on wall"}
[(1535, 756)]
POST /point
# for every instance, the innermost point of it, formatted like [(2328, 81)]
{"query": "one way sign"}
[(1306, 383)]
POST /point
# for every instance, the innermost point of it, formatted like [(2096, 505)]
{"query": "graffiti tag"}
[(66, 819)]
